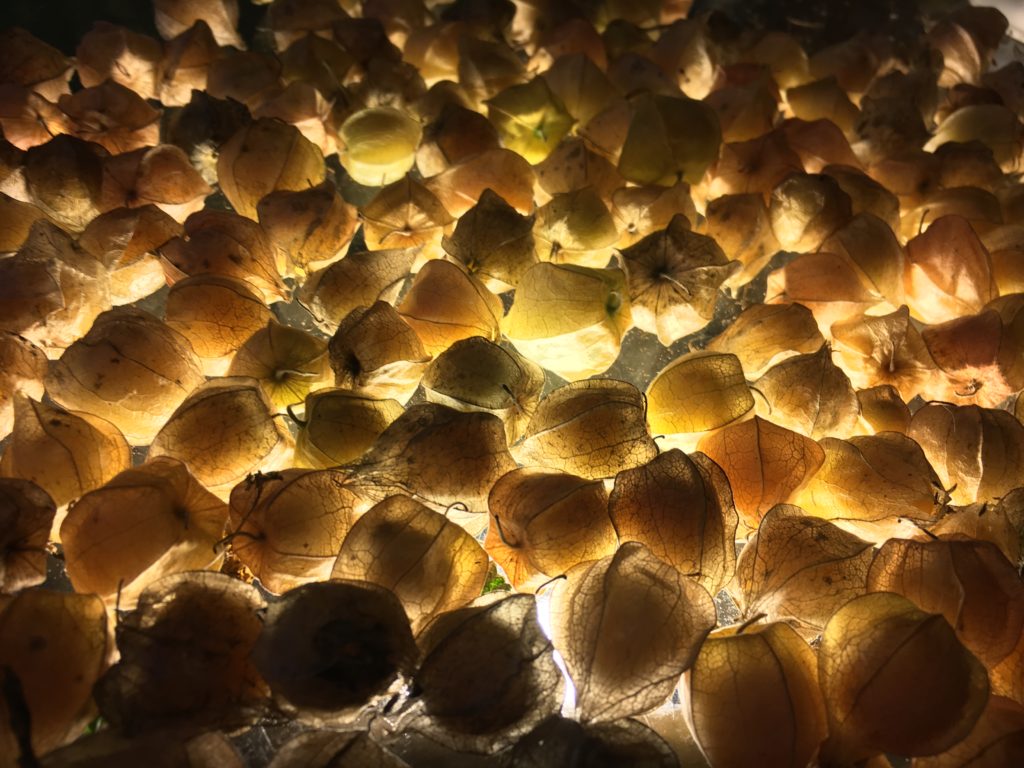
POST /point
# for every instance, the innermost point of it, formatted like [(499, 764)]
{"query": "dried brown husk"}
[(205, 625), (978, 453), (376, 353), (27, 119), (173, 17), (801, 569), (746, 103), (223, 431), (226, 244), (997, 522), (310, 227), (885, 350), (569, 319), (823, 99), (302, 105), (335, 749), (805, 209), (460, 186), (530, 118), (63, 178), (125, 241), (434, 51), (574, 165), (359, 279), (877, 664), (869, 243), (339, 426), (809, 394), (979, 207), (131, 369), (249, 77), (681, 508), (882, 409), (969, 582), (431, 564), (26, 515), (818, 144), (580, 84), (561, 742), (287, 527), (669, 138), (377, 146), (766, 464), (288, 362), (445, 304), (767, 669), (143, 524), (997, 739), (994, 125), (741, 227), (620, 672), (110, 51), (23, 367), (53, 647), (765, 334), (186, 64), (542, 523), (329, 648), (16, 220), (494, 242), (318, 61), (33, 63), (438, 456), (476, 374), (263, 157), (160, 176), (866, 194), (290, 20), (576, 227), (66, 454), (113, 116), (754, 166), (948, 272), (406, 214), (980, 359), (674, 280), (216, 314), (638, 211), (455, 134), (874, 485), (594, 428), (698, 392)]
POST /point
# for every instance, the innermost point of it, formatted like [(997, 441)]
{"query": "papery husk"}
[(494, 242), (581, 86), (741, 227), (669, 138), (131, 369), (805, 209), (866, 195), (542, 523), (160, 176), (874, 664), (882, 409), (976, 452), (27, 119), (445, 304), (638, 211), (620, 673), (264, 157), (569, 319), (113, 116), (674, 280), (26, 516), (309, 228), (801, 569), (53, 647), (460, 186), (174, 17), (216, 314), (287, 527), (765, 334), (476, 374), (186, 65), (66, 454), (126, 57), (359, 279), (575, 228), (594, 428), (406, 214), (33, 63), (823, 99), (573, 165), (141, 525), (456, 134), (224, 431), (339, 426), (63, 178), (376, 353), (207, 622), (681, 508), (530, 119), (249, 77), (766, 464), (430, 563), (437, 456), (23, 367), (764, 668), (125, 241)]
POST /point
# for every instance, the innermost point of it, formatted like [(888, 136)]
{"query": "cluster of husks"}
[(362, 446)]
